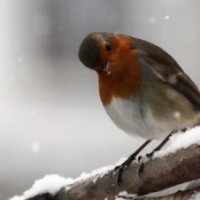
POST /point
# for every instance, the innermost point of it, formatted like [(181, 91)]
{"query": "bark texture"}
[(155, 175)]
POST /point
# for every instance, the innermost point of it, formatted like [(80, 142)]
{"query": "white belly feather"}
[(129, 117), (134, 119), (125, 116)]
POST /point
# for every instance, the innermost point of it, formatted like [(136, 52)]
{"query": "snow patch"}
[(53, 183), (125, 195), (180, 141), (99, 172), (191, 185), (195, 196), (49, 184)]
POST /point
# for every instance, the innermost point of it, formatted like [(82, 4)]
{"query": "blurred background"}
[(51, 117)]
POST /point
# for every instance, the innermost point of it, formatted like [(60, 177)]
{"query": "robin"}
[(143, 89)]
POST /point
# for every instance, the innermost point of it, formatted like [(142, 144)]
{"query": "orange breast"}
[(125, 77)]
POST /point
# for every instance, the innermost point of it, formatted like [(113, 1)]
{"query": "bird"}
[(142, 88)]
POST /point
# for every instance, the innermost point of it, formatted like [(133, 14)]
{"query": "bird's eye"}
[(108, 47)]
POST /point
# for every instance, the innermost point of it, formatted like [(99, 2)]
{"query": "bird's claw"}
[(120, 169), (150, 155)]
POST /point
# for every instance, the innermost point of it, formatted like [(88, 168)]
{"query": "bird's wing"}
[(167, 70)]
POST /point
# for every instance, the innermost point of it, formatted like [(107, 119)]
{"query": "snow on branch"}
[(178, 163)]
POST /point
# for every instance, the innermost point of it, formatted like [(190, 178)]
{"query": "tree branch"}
[(157, 174), (180, 195)]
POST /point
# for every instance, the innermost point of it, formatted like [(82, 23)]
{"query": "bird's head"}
[(114, 58), (100, 51)]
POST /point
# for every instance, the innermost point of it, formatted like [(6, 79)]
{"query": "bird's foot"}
[(145, 158), (120, 169), (150, 155), (131, 158), (159, 147), (140, 158)]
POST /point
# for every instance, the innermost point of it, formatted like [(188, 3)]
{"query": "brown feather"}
[(167, 70)]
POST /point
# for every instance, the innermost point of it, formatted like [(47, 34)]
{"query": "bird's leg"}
[(150, 155), (132, 157)]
